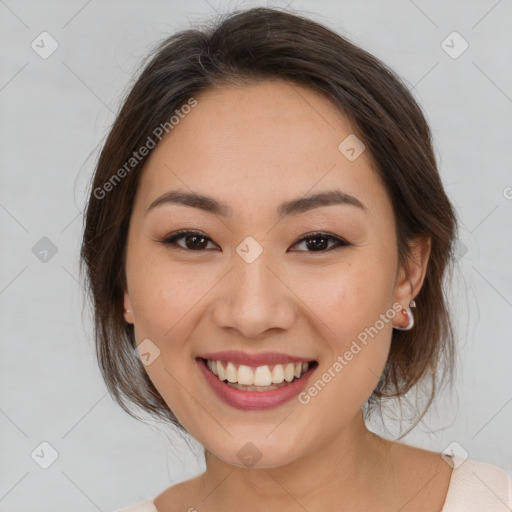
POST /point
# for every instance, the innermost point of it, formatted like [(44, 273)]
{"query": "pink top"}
[(474, 487)]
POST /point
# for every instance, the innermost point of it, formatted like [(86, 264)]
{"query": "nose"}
[(254, 298)]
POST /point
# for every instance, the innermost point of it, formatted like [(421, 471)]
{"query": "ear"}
[(128, 313), (408, 286)]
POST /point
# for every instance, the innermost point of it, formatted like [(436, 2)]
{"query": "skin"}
[(253, 147)]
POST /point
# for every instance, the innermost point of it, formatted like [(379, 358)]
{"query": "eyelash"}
[(185, 233)]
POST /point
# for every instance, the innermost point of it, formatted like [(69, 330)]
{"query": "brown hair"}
[(269, 44)]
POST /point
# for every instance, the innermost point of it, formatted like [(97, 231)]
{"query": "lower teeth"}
[(257, 388)]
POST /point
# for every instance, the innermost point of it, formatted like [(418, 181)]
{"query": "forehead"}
[(261, 142)]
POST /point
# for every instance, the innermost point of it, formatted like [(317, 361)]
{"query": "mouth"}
[(245, 386), (259, 378)]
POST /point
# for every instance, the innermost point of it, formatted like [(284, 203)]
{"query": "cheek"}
[(348, 298), (356, 322), (352, 304), (167, 305), (164, 296)]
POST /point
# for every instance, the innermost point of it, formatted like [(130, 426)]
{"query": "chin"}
[(254, 452)]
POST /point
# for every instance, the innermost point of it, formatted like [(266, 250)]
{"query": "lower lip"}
[(253, 400)]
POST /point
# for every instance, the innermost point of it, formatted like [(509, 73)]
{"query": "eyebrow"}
[(293, 207)]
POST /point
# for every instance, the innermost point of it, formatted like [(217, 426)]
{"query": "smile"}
[(255, 386), (259, 378)]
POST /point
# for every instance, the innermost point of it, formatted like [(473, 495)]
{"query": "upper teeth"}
[(257, 376)]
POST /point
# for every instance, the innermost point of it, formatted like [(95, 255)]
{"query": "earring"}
[(128, 310), (408, 312)]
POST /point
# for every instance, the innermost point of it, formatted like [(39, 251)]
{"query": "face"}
[(248, 280)]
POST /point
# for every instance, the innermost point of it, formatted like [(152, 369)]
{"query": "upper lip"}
[(260, 359)]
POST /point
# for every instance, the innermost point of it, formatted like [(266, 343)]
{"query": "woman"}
[(265, 216)]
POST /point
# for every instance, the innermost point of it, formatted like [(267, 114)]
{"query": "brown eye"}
[(318, 242), (194, 240)]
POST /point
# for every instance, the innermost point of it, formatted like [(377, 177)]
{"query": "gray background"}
[(55, 112)]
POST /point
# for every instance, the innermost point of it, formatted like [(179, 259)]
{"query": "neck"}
[(344, 473)]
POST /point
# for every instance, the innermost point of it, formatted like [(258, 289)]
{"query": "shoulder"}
[(452, 484), (421, 477), (476, 486), (468, 485)]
